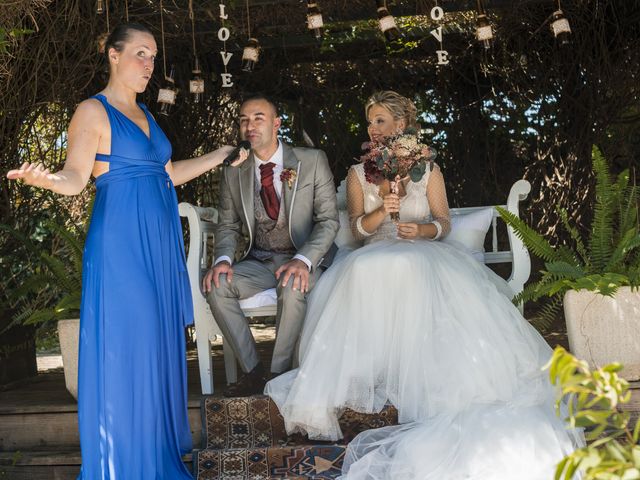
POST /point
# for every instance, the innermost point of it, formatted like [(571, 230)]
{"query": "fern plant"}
[(53, 289), (608, 259)]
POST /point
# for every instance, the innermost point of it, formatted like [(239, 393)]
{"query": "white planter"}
[(603, 330), (69, 335)]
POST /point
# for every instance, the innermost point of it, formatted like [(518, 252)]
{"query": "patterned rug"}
[(245, 438), (255, 422), (312, 462)]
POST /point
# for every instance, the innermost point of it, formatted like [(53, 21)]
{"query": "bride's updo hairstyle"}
[(401, 108)]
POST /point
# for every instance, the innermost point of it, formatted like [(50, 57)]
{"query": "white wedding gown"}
[(424, 326)]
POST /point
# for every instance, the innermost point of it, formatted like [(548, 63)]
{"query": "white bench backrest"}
[(202, 227)]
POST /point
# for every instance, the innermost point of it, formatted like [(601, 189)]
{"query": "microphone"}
[(243, 145)]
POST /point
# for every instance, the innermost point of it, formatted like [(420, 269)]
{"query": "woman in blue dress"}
[(136, 301)]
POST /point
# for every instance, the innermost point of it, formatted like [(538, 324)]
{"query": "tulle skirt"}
[(425, 327)]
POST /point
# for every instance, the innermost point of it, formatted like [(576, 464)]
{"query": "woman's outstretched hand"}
[(33, 174), (227, 150), (242, 156)]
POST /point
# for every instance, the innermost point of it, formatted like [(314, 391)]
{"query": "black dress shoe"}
[(251, 383)]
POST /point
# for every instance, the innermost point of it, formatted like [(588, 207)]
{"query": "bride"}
[(419, 324)]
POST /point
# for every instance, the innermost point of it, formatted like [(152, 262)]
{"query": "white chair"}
[(202, 224)]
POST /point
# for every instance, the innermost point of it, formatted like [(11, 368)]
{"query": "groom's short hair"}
[(261, 96)]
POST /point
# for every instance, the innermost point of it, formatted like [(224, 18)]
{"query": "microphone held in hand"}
[(243, 145)]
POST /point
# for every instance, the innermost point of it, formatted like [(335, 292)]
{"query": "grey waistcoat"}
[(271, 236)]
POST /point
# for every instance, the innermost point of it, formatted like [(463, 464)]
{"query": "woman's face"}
[(133, 66), (382, 123)]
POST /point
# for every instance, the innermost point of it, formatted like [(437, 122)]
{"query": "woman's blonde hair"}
[(401, 108)]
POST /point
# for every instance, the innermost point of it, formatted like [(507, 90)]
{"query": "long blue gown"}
[(136, 302)]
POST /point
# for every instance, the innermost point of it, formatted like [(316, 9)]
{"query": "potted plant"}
[(596, 279), (51, 293), (599, 402)]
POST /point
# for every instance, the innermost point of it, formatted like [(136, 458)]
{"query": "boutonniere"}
[(288, 175)]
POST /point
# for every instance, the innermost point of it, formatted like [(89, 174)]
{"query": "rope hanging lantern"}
[(167, 94), (251, 53), (484, 32), (196, 84)]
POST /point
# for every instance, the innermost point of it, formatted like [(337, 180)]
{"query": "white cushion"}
[(262, 299), (469, 230)]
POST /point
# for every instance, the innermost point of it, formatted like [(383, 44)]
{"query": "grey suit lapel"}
[(290, 162), (247, 178)]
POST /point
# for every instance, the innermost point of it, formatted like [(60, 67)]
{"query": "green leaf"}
[(562, 270), (40, 316), (636, 433), (561, 467), (535, 242), (575, 236), (629, 242), (602, 225), (417, 172)]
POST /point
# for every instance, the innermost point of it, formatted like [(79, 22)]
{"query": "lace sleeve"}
[(355, 205), (437, 197)]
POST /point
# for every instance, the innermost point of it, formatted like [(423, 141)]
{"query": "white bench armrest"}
[(521, 261)]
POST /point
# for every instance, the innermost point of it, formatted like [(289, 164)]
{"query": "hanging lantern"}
[(386, 22), (250, 55), (560, 27), (484, 32), (196, 84), (314, 19), (100, 7), (167, 94)]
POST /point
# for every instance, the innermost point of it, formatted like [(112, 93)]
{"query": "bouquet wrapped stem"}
[(393, 186)]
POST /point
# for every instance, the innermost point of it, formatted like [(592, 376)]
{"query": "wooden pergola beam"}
[(406, 8)]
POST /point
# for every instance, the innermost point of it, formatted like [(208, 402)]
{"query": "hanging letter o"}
[(437, 13), (224, 34)]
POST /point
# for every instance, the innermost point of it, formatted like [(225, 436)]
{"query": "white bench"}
[(202, 224)]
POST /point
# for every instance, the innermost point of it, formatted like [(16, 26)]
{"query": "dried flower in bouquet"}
[(396, 157)]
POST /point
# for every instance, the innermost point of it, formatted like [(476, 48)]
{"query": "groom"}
[(283, 199)]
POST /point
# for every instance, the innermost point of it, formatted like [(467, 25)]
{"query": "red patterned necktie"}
[(268, 191)]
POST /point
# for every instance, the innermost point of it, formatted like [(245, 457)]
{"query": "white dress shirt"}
[(278, 159)]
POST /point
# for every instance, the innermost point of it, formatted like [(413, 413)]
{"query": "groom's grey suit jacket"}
[(310, 206)]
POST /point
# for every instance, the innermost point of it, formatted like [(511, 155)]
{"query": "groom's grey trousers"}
[(251, 276)]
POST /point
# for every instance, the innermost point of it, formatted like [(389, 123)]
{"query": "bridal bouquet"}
[(396, 157)]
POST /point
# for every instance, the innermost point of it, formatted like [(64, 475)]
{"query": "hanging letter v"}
[(437, 32), (226, 56)]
